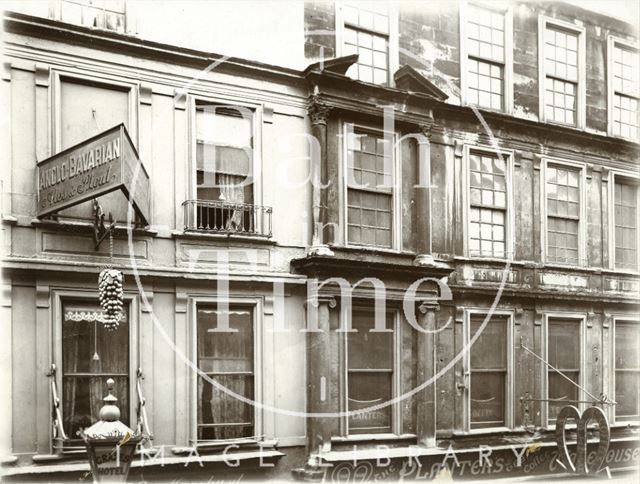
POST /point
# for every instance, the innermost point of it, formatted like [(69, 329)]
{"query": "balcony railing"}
[(219, 217)]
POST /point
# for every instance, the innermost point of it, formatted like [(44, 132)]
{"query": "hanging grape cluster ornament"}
[(111, 297)]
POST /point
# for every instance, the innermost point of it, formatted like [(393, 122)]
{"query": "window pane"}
[(365, 390), (626, 221), (88, 349), (223, 163), (487, 399), (109, 14), (627, 398), (489, 351), (223, 416), (560, 100), (225, 351), (82, 400), (370, 216), (227, 358), (625, 70), (563, 390), (373, 54), (485, 84), (561, 49), (486, 28), (487, 189), (627, 346), (627, 370), (488, 365), (625, 116), (563, 350), (368, 349), (563, 213)]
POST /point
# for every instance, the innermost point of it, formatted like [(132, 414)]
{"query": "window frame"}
[(622, 318), (60, 297), (257, 305), (509, 230), (507, 66), (396, 383), (581, 319), (98, 80), (612, 43), (582, 225), (130, 20), (631, 178), (393, 60), (543, 23), (192, 165), (509, 416), (396, 192)]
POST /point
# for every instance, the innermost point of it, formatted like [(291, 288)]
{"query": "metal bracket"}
[(100, 230)]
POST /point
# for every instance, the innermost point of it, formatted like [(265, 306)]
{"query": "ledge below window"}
[(86, 228), (151, 462), (221, 237)]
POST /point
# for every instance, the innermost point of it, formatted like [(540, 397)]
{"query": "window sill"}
[(230, 457), (195, 235), (488, 110), (373, 453), (87, 227), (225, 444), (564, 125), (373, 250), (622, 272), (623, 425), (487, 431), (490, 260), (372, 438)]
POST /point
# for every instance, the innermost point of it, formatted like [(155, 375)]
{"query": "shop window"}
[(370, 374), (365, 32), (101, 14), (489, 376), (564, 353), (562, 56), (486, 59), (624, 87), (90, 356), (626, 196), (370, 197), (627, 371), (227, 358), (488, 204), (563, 197), (224, 166)]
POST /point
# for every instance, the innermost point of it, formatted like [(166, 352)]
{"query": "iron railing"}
[(211, 216)]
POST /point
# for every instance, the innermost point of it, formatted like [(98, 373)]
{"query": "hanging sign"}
[(99, 165)]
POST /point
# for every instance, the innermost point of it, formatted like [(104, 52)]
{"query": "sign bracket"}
[(100, 230)]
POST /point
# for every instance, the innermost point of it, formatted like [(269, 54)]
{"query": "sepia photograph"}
[(330, 241)]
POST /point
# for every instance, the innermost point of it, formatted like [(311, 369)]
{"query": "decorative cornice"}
[(6, 295), (42, 75), (426, 306), (318, 299), (182, 299), (180, 99), (146, 92), (6, 71), (42, 296), (318, 111), (426, 129)]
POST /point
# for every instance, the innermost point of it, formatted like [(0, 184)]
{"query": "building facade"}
[(475, 163)]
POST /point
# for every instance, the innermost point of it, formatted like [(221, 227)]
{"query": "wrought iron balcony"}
[(213, 216)]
